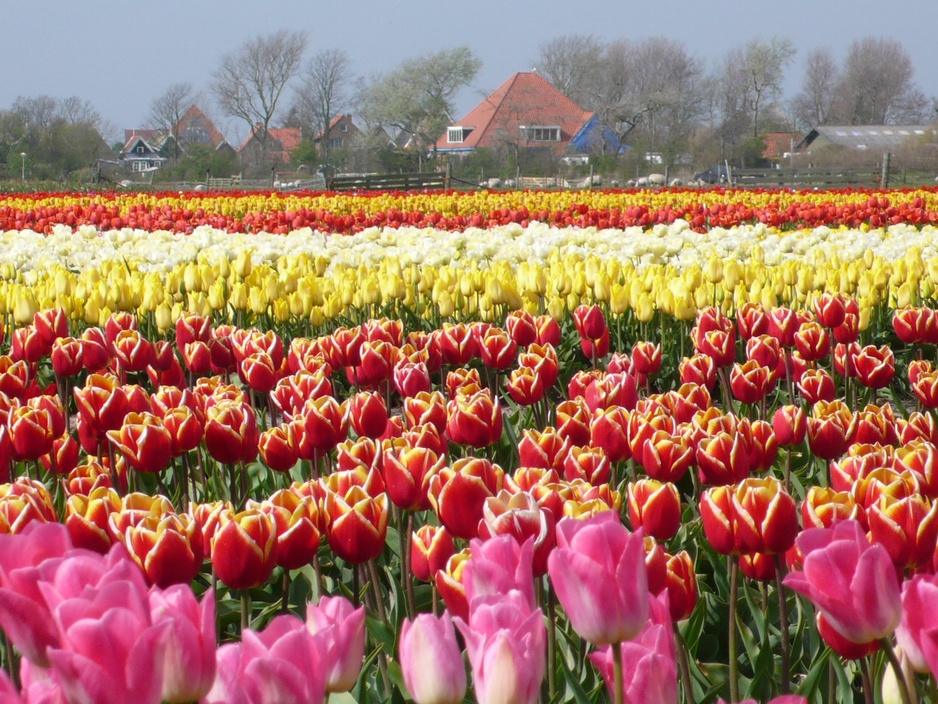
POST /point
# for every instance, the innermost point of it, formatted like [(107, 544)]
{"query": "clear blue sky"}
[(120, 55)]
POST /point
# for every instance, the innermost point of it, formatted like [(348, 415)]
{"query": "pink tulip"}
[(342, 628), (917, 633), (499, 565), (282, 663), (431, 660), (649, 666), (598, 572), (24, 616), (782, 699), (506, 641), (8, 693), (110, 650), (189, 663), (39, 685), (850, 581)]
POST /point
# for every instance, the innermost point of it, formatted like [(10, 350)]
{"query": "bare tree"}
[(167, 110), (815, 104), (324, 93), (877, 85), (417, 97), (571, 62), (250, 81), (647, 92), (763, 68)]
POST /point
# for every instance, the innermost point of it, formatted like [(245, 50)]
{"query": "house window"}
[(139, 149), (343, 127), (542, 134), (335, 143), (454, 135)]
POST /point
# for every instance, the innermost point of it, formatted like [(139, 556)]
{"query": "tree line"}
[(668, 105)]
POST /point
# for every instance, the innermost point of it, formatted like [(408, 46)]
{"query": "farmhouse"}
[(875, 138), (528, 112), (274, 148)]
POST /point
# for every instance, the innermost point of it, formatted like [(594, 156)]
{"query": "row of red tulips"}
[(878, 210)]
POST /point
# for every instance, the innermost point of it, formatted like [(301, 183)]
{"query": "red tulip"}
[(411, 378), (244, 548), (790, 424), (474, 421), (698, 369), (587, 463), (783, 323), (828, 429), (907, 527), (458, 494), (87, 518), (278, 447), (646, 358), (368, 414), (430, 549), (457, 344), (167, 548), (497, 350), (231, 434), (325, 424), (101, 403), (407, 472), (358, 524), (915, 326), (765, 515), (875, 366), (817, 385), (718, 516), (830, 310), (752, 320), (654, 507), (750, 382), (297, 524), (32, 432), (608, 431), (66, 356), (144, 442), (681, 583), (813, 341), (521, 327), (133, 352)]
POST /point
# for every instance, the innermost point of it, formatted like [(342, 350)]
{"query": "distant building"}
[(528, 112), (878, 139), (140, 154), (779, 145), (150, 149), (275, 150), (340, 132)]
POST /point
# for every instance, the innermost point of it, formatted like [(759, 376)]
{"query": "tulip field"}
[(522, 447)]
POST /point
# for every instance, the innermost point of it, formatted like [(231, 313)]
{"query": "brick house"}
[(528, 112)]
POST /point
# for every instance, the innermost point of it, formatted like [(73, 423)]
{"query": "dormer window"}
[(540, 133), (457, 135)]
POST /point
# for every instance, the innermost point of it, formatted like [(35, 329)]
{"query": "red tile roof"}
[(289, 137), (524, 100)]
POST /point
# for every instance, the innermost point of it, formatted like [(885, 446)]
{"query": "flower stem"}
[(783, 625), (684, 666), (896, 665), (618, 694), (733, 647), (245, 610)]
